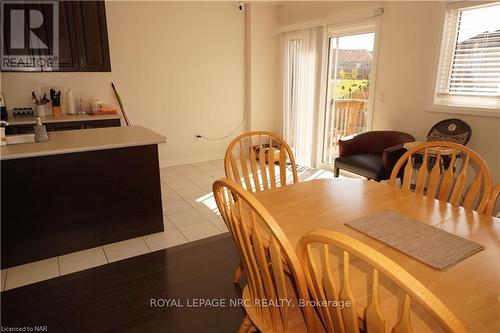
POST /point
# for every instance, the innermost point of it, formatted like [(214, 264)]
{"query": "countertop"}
[(60, 119), (75, 141)]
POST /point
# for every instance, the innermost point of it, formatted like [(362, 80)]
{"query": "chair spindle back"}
[(259, 161), (492, 201), (442, 170), (322, 274), (266, 255)]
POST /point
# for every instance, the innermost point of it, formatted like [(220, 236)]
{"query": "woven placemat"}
[(430, 245)]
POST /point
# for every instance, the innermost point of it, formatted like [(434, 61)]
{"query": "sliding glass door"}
[(350, 74)]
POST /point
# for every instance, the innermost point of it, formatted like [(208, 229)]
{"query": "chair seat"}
[(367, 165), (296, 322)]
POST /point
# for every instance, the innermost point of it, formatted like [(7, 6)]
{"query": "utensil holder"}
[(40, 110)]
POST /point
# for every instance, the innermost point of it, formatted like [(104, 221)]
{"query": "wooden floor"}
[(116, 297)]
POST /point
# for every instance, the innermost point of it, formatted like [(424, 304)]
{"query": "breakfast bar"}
[(82, 189)]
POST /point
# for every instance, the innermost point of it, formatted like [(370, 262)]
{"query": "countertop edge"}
[(68, 142), (79, 150)]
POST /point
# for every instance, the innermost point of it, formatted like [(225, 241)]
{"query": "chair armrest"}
[(390, 156), (395, 148)]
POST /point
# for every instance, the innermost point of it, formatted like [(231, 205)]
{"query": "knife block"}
[(56, 111)]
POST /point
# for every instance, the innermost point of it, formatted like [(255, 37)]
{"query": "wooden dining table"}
[(470, 289)]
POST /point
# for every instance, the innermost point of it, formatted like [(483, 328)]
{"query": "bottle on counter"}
[(70, 102), (40, 132)]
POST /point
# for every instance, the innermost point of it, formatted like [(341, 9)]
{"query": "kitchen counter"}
[(84, 188), (14, 121), (83, 140)]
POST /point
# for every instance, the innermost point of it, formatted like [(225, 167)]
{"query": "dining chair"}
[(272, 265), (492, 201), (260, 161), (445, 171), (324, 274)]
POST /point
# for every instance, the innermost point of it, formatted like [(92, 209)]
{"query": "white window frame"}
[(470, 105), (334, 30)]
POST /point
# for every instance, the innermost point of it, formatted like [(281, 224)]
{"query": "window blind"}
[(299, 53), (470, 52)]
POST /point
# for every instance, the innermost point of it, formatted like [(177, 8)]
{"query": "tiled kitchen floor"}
[(190, 213)]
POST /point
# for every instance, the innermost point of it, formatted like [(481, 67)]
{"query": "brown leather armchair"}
[(371, 154)]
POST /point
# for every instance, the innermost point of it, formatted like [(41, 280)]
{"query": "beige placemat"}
[(430, 245)]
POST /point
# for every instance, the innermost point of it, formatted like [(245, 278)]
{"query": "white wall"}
[(408, 50), (294, 15), (179, 68), (263, 66)]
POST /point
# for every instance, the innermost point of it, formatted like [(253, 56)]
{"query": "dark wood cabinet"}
[(103, 123), (77, 201), (68, 52), (92, 36), (83, 37), (64, 126), (19, 129)]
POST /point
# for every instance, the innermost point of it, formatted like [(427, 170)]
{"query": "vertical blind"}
[(470, 54), (298, 58)]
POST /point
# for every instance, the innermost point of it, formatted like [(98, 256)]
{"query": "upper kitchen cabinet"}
[(83, 36), (91, 36), (68, 50)]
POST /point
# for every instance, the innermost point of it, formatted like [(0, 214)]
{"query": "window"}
[(469, 63)]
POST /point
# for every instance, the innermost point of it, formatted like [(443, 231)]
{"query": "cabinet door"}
[(83, 36), (68, 51), (19, 129), (102, 123), (64, 126), (42, 34), (92, 36)]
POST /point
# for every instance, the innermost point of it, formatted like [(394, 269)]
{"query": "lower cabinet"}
[(19, 129), (102, 123), (77, 201), (64, 126)]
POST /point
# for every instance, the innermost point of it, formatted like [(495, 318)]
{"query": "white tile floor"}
[(77, 261), (190, 213)]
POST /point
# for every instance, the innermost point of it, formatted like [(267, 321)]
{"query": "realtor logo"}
[(30, 35)]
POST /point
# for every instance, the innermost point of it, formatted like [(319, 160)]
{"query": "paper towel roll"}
[(70, 102)]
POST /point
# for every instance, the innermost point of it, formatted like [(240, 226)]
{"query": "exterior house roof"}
[(356, 56), (484, 39)]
